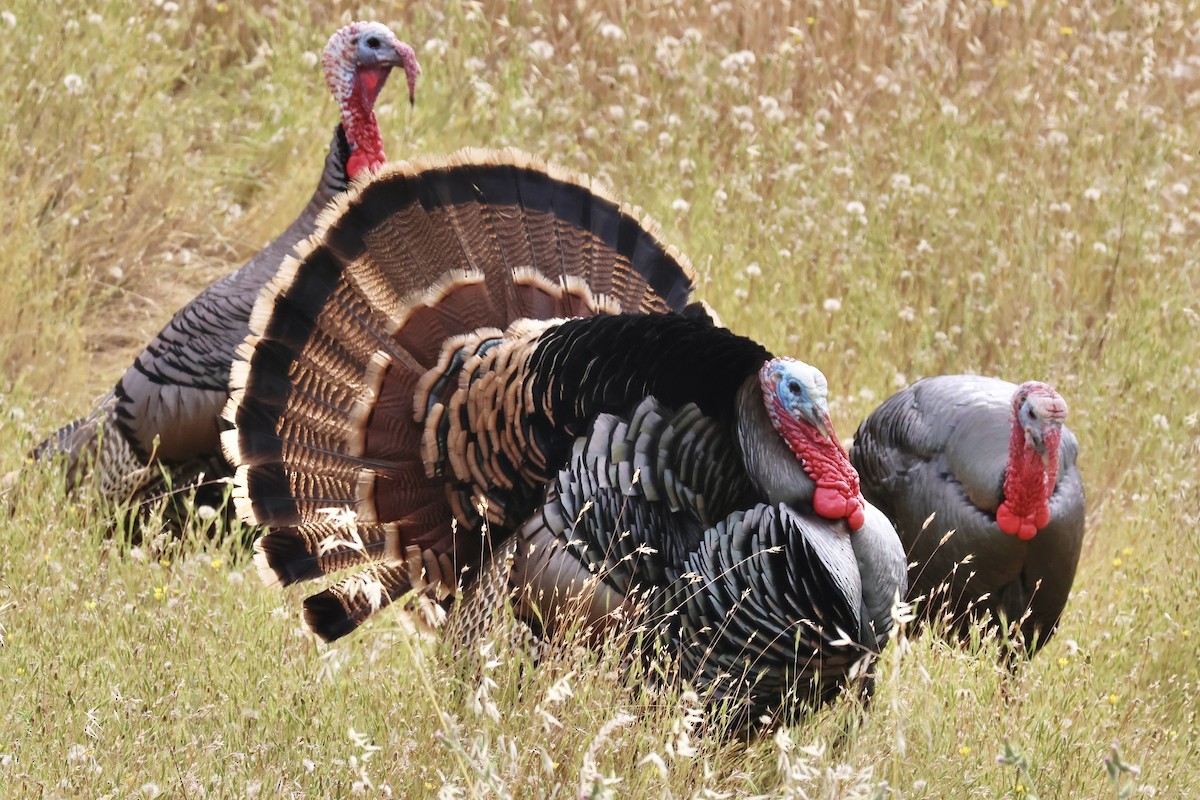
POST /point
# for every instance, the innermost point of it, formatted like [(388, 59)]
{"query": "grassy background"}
[(999, 187)]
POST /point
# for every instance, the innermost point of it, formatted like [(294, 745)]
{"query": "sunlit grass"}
[(994, 187)]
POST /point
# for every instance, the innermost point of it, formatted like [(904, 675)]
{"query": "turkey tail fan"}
[(427, 252)]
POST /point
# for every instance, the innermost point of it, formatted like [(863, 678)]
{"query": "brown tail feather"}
[(346, 339), (423, 575)]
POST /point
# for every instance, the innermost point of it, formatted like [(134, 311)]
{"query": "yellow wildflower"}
[(1067, 30), (160, 592)]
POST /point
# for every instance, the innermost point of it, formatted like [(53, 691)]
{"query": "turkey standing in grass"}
[(164, 412), (483, 365), (978, 475)]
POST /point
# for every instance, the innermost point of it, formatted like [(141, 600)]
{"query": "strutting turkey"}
[(979, 477), (164, 412), (485, 360)]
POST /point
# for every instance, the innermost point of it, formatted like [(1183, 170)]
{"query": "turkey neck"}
[(358, 119), (1028, 483), (770, 462)]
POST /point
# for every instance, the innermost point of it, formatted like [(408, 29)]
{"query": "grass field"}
[(886, 191)]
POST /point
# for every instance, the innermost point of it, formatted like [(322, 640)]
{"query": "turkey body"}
[(485, 363), (945, 448), (164, 412)]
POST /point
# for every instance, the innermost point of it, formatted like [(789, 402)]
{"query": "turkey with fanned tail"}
[(979, 477), (485, 363), (163, 415)]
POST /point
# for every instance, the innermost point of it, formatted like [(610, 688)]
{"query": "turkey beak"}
[(821, 423), (387, 55), (405, 57), (1034, 438)]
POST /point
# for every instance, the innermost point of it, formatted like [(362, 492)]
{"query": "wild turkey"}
[(165, 410), (994, 466), (484, 362)]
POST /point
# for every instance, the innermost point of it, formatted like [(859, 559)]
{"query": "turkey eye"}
[(373, 43), (793, 387)]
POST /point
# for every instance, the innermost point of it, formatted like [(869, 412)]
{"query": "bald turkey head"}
[(794, 396), (358, 60), (1038, 414)]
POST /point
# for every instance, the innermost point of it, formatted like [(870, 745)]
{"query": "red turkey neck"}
[(837, 493), (358, 119), (1028, 483)]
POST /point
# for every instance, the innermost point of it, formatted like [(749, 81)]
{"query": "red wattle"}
[(828, 503), (832, 504), (1043, 517), (857, 517), (1008, 522)]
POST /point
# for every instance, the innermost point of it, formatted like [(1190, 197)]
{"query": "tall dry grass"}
[(888, 191)]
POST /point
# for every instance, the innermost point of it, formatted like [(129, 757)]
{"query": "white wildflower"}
[(616, 113), (308, 764), (9, 18), (855, 209), (309, 59), (1057, 139), (680, 206), (1180, 189), (924, 246), (611, 32), (640, 127), (950, 110), (436, 47), (541, 50), (738, 61), (908, 314), (832, 305), (627, 69), (1091, 193), (73, 83), (901, 182), (753, 270), (170, 7), (1099, 248)]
